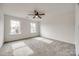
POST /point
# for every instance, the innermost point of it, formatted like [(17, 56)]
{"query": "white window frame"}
[(33, 28), (16, 25)]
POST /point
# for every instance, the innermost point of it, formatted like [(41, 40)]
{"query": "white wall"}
[(25, 28), (58, 22), (77, 29), (1, 27)]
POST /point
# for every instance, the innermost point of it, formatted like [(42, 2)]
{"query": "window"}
[(33, 27), (15, 27)]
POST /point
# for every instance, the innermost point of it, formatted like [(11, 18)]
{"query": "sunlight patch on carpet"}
[(21, 49), (18, 45)]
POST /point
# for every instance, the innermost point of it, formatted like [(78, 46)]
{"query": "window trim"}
[(19, 31), (33, 28)]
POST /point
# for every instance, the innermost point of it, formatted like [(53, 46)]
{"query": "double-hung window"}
[(33, 27), (15, 27)]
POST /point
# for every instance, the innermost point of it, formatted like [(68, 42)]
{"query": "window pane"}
[(33, 27), (15, 27)]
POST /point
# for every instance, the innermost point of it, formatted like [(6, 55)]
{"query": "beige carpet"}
[(20, 48), (37, 47)]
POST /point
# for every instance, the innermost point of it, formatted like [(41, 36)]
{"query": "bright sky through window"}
[(33, 27), (15, 27)]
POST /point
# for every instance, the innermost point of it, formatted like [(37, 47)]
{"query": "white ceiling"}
[(23, 9)]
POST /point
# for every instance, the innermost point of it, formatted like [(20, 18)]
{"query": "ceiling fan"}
[(37, 14)]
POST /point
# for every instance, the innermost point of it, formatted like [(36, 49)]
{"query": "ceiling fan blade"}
[(39, 16), (42, 14), (34, 16)]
